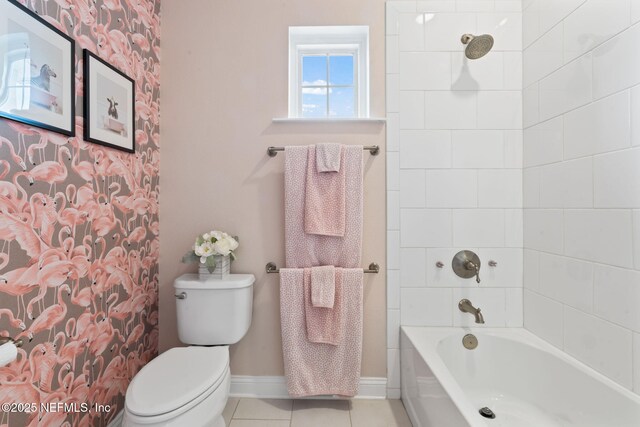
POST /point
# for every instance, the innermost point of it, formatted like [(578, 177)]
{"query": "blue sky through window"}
[(328, 86)]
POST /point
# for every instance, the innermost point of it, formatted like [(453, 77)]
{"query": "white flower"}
[(222, 247), (206, 236), (206, 250), (197, 249), (218, 235), (233, 243)]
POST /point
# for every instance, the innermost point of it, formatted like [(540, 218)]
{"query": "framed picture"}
[(109, 105), (37, 71)]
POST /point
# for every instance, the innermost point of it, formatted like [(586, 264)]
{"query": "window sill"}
[(335, 120)]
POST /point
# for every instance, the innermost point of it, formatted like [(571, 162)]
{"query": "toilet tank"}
[(213, 311)]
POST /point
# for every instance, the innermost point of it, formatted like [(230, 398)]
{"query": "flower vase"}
[(222, 269)]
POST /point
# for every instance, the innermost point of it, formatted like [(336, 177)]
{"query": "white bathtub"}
[(525, 381)]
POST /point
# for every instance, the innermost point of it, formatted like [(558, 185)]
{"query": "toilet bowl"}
[(189, 386)]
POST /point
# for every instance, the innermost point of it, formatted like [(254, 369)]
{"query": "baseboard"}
[(117, 420), (276, 388)]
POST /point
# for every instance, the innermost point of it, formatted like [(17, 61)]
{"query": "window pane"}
[(341, 102), (314, 70), (341, 69), (314, 102)]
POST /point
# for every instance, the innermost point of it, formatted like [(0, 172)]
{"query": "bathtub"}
[(525, 381)]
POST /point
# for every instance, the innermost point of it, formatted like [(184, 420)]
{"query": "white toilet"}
[(189, 386)]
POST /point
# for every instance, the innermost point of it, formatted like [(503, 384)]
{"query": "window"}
[(328, 72)]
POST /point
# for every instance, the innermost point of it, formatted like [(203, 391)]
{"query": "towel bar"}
[(18, 342), (271, 267), (373, 149)]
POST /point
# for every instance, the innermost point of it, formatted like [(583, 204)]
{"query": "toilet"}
[(189, 386)]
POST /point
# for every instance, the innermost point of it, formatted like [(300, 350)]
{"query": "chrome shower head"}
[(477, 46)]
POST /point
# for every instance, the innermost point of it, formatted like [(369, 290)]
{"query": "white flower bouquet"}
[(209, 247)]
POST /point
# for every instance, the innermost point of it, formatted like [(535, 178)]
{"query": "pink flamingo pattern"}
[(79, 241)]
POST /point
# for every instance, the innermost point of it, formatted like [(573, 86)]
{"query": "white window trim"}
[(330, 40)]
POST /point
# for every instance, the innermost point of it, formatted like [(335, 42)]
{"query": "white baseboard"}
[(117, 420), (276, 388)]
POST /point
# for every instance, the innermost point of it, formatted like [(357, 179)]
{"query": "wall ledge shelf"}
[(345, 120)]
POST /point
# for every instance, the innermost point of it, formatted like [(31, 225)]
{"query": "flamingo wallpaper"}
[(79, 234)]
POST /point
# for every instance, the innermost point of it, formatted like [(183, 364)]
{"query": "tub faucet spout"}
[(466, 307)]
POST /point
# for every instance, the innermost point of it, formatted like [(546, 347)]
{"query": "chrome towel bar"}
[(373, 149), (271, 267)]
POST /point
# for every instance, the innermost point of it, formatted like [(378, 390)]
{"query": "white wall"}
[(582, 180), (454, 176)]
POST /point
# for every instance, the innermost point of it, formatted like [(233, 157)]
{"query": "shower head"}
[(477, 46)]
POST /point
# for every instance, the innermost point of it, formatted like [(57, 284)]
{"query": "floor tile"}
[(263, 409), (378, 413), (229, 409), (259, 423), (321, 413)]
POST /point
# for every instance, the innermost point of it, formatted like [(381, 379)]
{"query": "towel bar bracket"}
[(271, 267)]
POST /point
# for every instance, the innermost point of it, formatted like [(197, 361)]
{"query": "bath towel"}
[(328, 157), (315, 368), (324, 325), (309, 250), (323, 286), (324, 203)]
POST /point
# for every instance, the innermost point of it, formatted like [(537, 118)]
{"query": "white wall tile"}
[(616, 63), (543, 317), (393, 210), (393, 289), (543, 57), (593, 23), (443, 31), (478, 149), (508, 6), (566, 89), (635, 11), (393, 250), (600, 344), (450, 110), (478, 227), (513, 148), (543, 143), (636, 239), (452, 188), (500, 188), (512, 68), (393, 54), (444, 277), (616, 296), (506, 29), (567, 184), (636, 363), (500, 110), (393, 171), (413, 272), (475, 5), (392, 23), (531, 270), (598, 127), (412, 188), (599, 235), (514, 310), (617, 179), (393, 93), (507, 273), (426, 307), (567, 280), (425, 71), (513, 228), (491, 302), (425, 228), (543, 230), (425, 149), (436, 6), (411, 30), (411, 110), (531, 105), (635, 115), (393, 368), (393, 328), (531, 187), (542, 15), (486, 74), (393, 131)]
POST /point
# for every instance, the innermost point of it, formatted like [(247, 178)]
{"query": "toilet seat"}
[(177, 380)]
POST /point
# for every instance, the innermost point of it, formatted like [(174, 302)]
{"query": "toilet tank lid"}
[(232, 281)]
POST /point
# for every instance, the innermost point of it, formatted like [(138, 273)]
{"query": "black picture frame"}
[(101, 125), (48, 100)]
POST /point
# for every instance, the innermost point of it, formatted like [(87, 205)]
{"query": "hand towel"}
[(328, 157), (324, 203), (323, 286), (315, 368), (323, 324), (308, 250)]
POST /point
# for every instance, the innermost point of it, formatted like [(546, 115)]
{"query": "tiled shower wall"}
[(454, 165), (582, 180)]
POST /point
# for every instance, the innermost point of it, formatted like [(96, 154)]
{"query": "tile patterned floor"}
[(241, 412)]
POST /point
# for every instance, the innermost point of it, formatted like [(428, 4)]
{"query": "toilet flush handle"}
[(181, 295)]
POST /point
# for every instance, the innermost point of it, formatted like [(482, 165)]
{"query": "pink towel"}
[(324, 204), (308, 250), (328, 157), (324, 325), (323, 286), (315, 368)]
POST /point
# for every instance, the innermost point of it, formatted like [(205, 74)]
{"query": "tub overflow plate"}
[(487, 413), (470, 342)]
